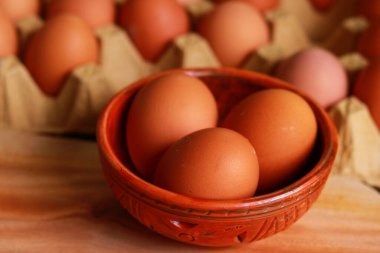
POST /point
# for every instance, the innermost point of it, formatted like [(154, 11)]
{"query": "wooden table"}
[(53, 198)]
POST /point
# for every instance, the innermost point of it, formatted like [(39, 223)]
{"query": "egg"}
[(187, 2), (152, 25), (213, 163), (62, 44), (265, 5), (318, 73), (369, 42), (367, 89), (96, 13), (234, 29), (322, 5), (369, 8), (261, 5), (282, 128), (20, 9), (164, 111), (9, 41)]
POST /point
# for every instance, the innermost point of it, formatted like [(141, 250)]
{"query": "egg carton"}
[(359, 142), (85, 92), (88, 88)]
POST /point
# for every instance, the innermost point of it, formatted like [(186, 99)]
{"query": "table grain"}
[(53, 198)]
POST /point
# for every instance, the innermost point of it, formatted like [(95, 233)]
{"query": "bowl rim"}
[(171, 199)]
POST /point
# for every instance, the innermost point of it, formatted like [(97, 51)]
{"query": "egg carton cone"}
[(25, 28), (120, 61), (188, 51), (198, 9), (287, 38), (359, 142), (318, 25), (24, 106), (336, 29), (353, 62)]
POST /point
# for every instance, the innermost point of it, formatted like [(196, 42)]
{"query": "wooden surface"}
[(53, 198)]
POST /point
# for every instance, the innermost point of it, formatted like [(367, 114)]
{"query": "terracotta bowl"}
[(212, 222)]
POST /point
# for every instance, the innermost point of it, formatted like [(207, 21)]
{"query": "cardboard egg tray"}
[(295, 25)]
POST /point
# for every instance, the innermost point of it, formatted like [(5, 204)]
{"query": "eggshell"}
[(64, 43), (234, 30), (214, 163), (96, 13), (19, 9), (152, 25), (9, 42), (187, 2), (261, 5), (369, 42), (265, 5), (282, 128), (164, 111), (318, 73), (367, 89)]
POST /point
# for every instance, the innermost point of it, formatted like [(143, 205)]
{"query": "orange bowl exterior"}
[(211, 222)]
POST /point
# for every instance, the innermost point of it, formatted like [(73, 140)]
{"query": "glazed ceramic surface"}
[(211, 222)]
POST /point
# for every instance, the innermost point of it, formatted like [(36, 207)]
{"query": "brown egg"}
[(19, 9), (282, 128), (367, 89), (265, 5), (234, 29), (261, 5), (187, 2), (164, 111), (369, 42), (96, 13), (9, 41), (64, 43), (152, 25), (213, 163), (318, 73)]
